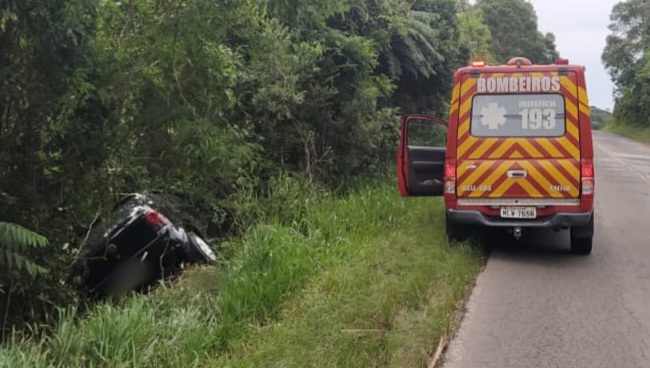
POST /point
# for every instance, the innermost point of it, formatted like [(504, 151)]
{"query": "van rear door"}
[(518, 136)]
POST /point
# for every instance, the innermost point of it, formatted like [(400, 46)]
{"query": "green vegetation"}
[(638, 133), (364, 280), (15, 241), (211, 100), (599, 117), (514, 31), (474, 33), (263, 114), (627, 58)]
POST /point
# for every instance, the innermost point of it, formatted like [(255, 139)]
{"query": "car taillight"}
[(156, 219), (450, 178), (587, 173)]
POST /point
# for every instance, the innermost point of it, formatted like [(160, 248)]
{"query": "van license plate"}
[(519, 212)]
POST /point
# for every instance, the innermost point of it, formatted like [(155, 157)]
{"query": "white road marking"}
[(625, 163), (631, 156)]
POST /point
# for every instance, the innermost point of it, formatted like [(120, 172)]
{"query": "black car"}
[(148, 236)]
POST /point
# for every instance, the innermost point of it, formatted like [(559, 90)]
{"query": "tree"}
[(514, 30), (627, 58), (628, 41), (423, 52), (475, 35), (599, 117), (50, 137), (372, 56)]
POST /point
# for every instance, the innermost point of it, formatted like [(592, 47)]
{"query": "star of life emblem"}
[(493, 116)]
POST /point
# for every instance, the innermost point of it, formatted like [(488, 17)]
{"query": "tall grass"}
[(360, 280), (634, 132)]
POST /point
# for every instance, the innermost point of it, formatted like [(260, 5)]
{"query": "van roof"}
[(520, 64)]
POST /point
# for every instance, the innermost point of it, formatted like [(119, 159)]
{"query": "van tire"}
[(582, 238), (456, 233), (581, 246)]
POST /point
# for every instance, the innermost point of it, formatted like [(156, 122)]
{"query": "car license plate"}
[(519, 212)]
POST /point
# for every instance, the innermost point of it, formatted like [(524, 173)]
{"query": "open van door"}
[(421, 156)]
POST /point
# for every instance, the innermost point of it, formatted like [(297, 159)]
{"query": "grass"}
[(638, 133), (361, 281)]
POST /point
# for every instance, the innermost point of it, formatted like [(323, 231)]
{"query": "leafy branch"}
[(15, 241)]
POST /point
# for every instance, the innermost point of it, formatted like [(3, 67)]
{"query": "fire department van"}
[(518, 151)]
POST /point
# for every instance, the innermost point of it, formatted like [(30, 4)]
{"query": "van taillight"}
[(587, 172), (450, 178), (156, 219)]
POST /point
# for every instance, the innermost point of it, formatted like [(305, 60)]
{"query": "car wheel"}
[(456, 233), (199, 250)]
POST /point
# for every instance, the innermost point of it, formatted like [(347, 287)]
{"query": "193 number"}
[(536, 119)]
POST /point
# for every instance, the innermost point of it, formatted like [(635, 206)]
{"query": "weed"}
[(360, 280)]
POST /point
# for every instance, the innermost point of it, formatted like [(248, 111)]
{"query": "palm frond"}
[(15, 261), (15, 240), (414, 45)]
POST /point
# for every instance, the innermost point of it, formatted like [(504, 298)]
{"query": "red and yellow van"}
[(518, 151)]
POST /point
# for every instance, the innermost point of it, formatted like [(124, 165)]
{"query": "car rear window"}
[(518, 115)]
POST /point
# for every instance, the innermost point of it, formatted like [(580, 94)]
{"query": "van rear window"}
[(518, 115)]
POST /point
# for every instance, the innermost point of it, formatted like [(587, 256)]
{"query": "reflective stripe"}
[(552, 164)]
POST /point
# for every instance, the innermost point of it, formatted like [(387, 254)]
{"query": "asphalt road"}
[(535, 305)]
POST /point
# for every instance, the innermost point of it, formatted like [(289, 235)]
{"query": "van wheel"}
[(582, 238), (456, 233), (581, 246)]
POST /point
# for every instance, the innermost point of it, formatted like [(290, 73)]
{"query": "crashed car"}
[(148, 237)]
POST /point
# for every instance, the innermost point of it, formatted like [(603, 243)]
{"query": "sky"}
[(580, 28)]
